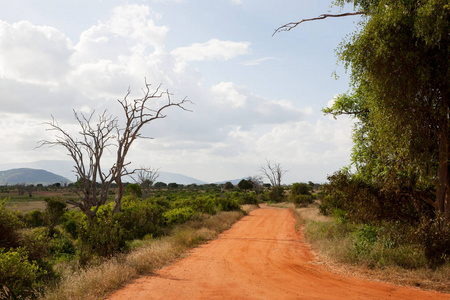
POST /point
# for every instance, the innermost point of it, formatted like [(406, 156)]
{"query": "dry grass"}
[(96, 282), (332, 251)]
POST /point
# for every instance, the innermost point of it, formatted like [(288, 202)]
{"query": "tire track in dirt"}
[(261, 257)]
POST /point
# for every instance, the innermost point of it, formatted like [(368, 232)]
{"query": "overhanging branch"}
[(292, 25)]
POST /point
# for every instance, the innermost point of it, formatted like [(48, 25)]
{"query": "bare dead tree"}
[(273, 172), (292, 25), (93, 180), (137, 114), (146, 177)]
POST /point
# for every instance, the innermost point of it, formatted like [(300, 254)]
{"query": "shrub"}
[(56, 207), (18, 274), (34, 218), (133, 189), (435, 238), (365, 238), (301, 199), (249, 198), (72, 224), (9, 225), (178, 215), (276, 194), (300, 189), (103, 236), (140, 218), (229, 203)]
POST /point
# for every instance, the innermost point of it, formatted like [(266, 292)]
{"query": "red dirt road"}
[(261, 257)]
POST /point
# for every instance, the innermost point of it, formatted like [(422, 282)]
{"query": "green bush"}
[(365, 238), (133, 189), (229, 203), (140, 218), (18, 274), (34, 218), (61, 247), (9, 225), (103, 236), (300, 188), (178, 215), (54, 211), (301, 199), (73, 220), (276, 194), (249, 198)]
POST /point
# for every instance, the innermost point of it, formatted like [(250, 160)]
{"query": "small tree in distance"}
[(273, 172), (146, 177), (95, 137)]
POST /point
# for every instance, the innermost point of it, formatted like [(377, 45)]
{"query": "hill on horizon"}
[(67, 175), (30, 176)]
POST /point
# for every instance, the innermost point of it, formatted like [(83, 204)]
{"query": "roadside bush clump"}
[(249, 198), (18, 274), (229, 203), (140, 218), (276, 194), (300, 194), (435, 238), (178, 215), (103, 236)]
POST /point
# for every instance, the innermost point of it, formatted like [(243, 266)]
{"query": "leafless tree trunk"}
[(273, 172), (146, 177), (93, 180)]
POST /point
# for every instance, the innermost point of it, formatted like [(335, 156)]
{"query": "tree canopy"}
[(399, 62)]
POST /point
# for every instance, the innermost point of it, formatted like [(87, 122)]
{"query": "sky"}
[(255, 97)]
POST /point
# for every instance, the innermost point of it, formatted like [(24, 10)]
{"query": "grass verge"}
[(366, 252), (146, 257)]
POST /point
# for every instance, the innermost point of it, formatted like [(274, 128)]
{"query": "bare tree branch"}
[(93, 182), (292, 25), (273, 172)]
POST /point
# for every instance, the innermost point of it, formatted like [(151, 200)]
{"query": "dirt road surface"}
[(261, 257)]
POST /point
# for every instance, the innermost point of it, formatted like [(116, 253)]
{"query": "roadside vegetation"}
[(390, 251), (56, 253)]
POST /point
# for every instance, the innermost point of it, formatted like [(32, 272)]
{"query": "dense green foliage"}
[(31, 250), (400, 74)]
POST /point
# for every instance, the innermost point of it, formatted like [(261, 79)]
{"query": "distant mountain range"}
[(30, 176), (33, 173)]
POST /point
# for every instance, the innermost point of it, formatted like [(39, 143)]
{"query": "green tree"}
[(54, 211), (400, 76), (399, 61), (245, 184)]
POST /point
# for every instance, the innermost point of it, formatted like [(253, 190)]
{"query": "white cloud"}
[(231, 129), (34, 54), (212, 49), (258, 61), (227, 93)]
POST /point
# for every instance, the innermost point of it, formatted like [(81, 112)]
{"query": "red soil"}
[(261, 257)]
